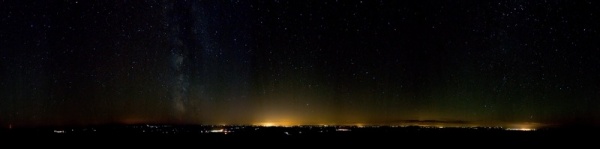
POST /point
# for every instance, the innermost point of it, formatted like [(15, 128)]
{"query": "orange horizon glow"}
[(283, 120)]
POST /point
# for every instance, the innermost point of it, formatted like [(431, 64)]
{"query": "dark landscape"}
[(396, 72)]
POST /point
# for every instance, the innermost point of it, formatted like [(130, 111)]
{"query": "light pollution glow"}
[(281, 117)]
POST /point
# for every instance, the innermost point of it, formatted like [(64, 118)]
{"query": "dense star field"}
[(313, 62)]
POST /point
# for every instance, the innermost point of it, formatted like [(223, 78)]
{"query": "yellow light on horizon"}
[(275, 124), (268, 124), (520, 129), (359, 125)]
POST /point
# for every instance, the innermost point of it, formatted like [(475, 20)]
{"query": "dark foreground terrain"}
[(342, 135)]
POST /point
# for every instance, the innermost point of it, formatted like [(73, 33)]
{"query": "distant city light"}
[(342, 129), (520, 129), (268, 124), (59, 131), (217, 131)]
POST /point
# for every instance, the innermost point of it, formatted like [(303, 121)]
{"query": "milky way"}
[(179, 52)]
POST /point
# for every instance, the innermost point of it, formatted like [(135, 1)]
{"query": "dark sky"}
[(299, 62)]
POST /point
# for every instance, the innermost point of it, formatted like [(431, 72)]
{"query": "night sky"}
[(298, 62)]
